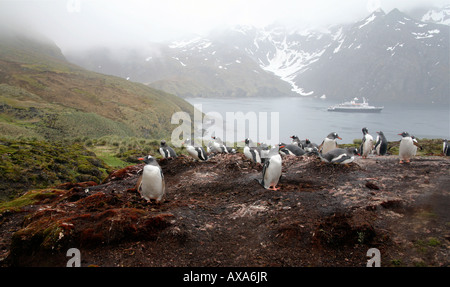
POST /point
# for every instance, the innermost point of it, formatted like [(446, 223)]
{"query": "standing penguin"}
[(408, 147), (367, 143), (446, 148), (197, 152), (381, 144), (251, 152), (271, 172), (166, 151), (329, 143), (263, 150), (151, 184)]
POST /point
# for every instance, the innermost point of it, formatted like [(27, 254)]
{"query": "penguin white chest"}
[(253, 155), (328, 145), (368, 145), (191, 150), (152, 184), (247, 152), (273, 171), (407, 148), (163, 153)]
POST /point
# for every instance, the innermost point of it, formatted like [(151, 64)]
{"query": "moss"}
[(29, 164), (31, 197)]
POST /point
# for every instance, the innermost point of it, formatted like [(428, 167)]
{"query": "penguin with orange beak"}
[(408, 147), (271, 172), (151, 184), (329, 143)]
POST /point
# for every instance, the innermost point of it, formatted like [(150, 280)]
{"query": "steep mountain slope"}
[(43, 95), (384, 57), (198, 67)]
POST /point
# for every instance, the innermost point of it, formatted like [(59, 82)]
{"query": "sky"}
[(79, 24)]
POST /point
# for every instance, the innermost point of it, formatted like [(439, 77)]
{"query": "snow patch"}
[(368, 20), (440, 17)]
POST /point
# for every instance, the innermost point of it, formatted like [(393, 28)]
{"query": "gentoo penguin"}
[(263, 150), (291, 149), (251, 152), (151, 183), (329, 143), (381, 144), (366, 144), (340, 155), (446, 148), (271, 172), (217, 145), (296, 141), (197, 152), (408, 147), (224, 148), (310, 147), (166, 151)]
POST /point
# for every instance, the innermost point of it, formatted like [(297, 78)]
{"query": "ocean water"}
[(309, 118)]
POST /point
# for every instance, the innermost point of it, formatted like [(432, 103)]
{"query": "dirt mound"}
[(216, 214)]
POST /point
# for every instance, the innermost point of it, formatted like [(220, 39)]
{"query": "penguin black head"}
[(294, 137), (353, 151), (404, 134), (380, 133), (333, 136), (365, 131), (247, 141), (163, 143), (148, 159)]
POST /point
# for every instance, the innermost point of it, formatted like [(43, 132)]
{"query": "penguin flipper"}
[(260, 181), (320, 146), (138, 184), (342, 158)]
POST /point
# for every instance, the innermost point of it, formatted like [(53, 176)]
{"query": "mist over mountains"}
[(385, 57)]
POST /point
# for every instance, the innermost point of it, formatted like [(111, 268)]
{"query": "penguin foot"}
[(274, 188)]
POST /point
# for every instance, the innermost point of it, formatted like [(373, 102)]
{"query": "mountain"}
[(383, 57), (386, 58), (438, 16), (198, 67), (44, 96)]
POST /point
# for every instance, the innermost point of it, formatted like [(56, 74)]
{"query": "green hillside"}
[(44, 96)]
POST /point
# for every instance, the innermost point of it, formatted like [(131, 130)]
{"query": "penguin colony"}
[(151, 183)]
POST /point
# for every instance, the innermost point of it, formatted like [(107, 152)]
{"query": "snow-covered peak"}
[(198, 42), (438, 16), (376, 14)]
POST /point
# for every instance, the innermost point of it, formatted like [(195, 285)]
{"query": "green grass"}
[(68, 101)]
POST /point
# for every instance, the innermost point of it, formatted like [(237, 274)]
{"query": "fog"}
[(81, 24)]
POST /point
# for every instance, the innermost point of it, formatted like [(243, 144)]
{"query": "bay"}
[(309, 118)]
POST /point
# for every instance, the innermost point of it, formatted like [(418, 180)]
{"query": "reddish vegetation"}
[(216, 214)]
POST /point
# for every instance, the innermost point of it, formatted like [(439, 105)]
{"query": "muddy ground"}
[(216, 214)]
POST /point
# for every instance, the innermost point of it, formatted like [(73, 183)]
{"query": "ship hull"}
[(352, 110)]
